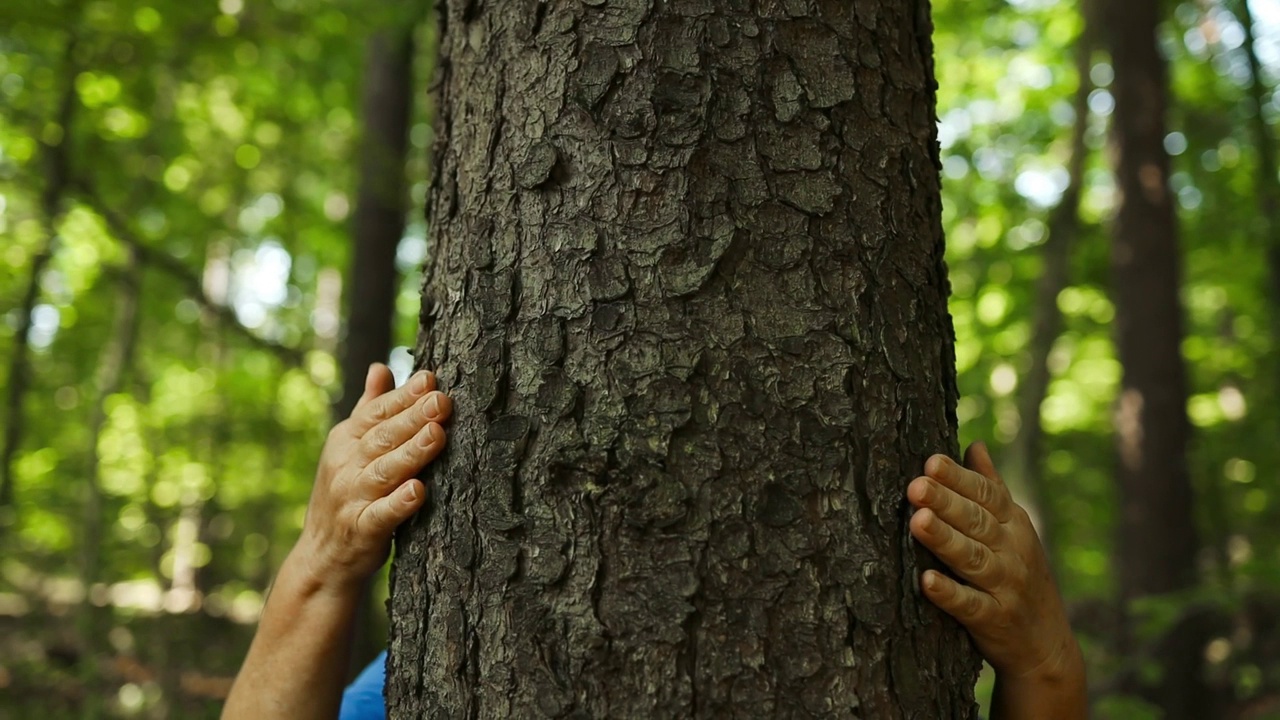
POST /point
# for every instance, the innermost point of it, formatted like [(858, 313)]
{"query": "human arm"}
[(364, 489), (1008, 601)]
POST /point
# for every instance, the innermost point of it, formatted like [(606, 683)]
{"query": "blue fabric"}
[(362, 700)]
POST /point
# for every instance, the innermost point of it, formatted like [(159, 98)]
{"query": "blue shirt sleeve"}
[(362, 700)]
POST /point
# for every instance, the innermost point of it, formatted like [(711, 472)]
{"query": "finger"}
[(391, 434), (990, 494), (392, 403), (377, 381), (978, 458), (957, 511), (965, 604), (388, 471), (969, 558), (384, 515)]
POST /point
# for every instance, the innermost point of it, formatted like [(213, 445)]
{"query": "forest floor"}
[(159, 666)]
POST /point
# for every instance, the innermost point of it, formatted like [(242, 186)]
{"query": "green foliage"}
[(220, 137)]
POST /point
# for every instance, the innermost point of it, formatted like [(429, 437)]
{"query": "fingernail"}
[(411, 492), (418, 384), (427, 437), (369, 374), (930, 580), (433, 404)]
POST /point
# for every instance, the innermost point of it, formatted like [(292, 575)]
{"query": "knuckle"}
[(376, 411), (985, 495), (982, 523), (972, 605), (378, 473), (378, 441), (979, 560), (373, 518)]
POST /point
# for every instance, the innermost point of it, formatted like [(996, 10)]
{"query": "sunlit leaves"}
[(122, 448), (96, 90)]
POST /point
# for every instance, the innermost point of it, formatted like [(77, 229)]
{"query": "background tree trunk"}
[(1025, 461), (380, 210), (379, 223), (1268, 184), (686, 288), (1157, 538), (113, 364), (57, 161)]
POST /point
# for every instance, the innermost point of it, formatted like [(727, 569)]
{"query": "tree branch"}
[(179, 271)]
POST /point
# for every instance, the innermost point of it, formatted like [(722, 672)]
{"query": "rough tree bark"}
[(686, 287), (1157, 536), (378, 227)]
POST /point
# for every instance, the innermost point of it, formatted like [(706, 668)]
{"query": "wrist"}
[(308, 572), (1052, 692), (1060, 676), (1064, 663)]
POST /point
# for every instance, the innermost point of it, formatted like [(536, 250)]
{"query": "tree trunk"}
[(380, 210), (686, 287), (114, 362), (18, 379), (1268, 184), (57, 160), (1158, 539), (1026, 466), (378, 228)]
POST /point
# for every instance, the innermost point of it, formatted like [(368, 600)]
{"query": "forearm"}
[(298, 660), (1060, 693)]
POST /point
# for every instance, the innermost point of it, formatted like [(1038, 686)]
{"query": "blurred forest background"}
[(210, 216)]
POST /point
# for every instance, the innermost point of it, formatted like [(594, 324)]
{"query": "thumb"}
[(377, 382), (978, 459)]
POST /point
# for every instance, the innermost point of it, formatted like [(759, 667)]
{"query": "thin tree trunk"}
[(57, 161), (112, 365), (686, 287), (185, 591), (1268, 178), (1026, 465), (381, 206), (1157, 535), (18, 379), (380, 209)]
